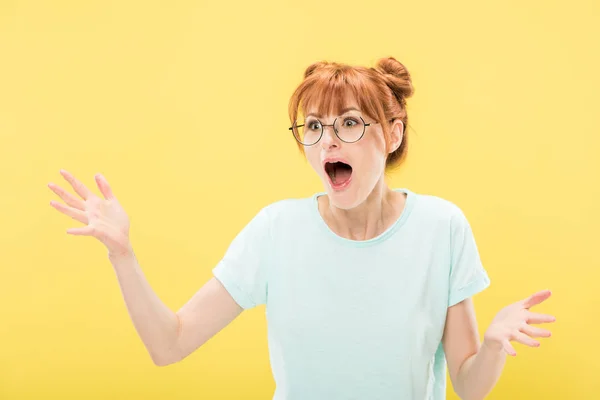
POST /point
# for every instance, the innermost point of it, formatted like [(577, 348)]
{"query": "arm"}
[(168, 336), (475, 368)]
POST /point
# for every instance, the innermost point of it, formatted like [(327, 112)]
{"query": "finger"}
[(70, 211), (79, 187), (83, 231), (67, 197), (536, 298), (533, 331), (536, 318), (526, 340), (508, 348), (104, 187)]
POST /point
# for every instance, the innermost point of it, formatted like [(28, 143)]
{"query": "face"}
[(349, 171)]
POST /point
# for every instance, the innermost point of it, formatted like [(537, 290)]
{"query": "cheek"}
[(374, 155), (313, 159)]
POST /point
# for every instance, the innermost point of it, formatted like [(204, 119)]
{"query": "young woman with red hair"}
[(367, 288)]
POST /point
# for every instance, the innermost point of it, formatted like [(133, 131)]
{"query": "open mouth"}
[(339, 173)]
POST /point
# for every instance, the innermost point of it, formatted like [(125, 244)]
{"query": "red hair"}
[(380, 92)]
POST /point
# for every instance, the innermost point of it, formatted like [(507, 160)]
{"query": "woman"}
[(367, 288)]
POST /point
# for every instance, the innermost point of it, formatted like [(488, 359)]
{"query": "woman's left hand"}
[(512, 323)]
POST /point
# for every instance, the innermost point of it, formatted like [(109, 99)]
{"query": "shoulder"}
[(436, 209), (287, 205), (272, 220), (441, 215), (285, 210)]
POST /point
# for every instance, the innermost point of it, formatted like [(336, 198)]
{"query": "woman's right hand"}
[(169, 337), (105, 219)]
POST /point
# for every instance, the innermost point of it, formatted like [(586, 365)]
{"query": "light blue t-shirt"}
[(355, 319)]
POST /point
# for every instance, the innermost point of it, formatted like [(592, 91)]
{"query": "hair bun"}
[(396, 76), (313, 67)]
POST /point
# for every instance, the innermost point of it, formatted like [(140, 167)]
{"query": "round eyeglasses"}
[(348, 129)]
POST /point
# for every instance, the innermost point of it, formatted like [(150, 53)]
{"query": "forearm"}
[(480, 373), (154, 322)]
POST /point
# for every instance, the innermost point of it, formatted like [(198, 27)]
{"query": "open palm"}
[(104, 218), (512, 323)]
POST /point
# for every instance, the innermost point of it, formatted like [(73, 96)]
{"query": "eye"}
[(314, 125), (350, 122)]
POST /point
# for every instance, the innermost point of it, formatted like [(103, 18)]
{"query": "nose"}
[(329, 139)]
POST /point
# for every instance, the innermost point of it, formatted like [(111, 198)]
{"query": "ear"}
[(397, 134)]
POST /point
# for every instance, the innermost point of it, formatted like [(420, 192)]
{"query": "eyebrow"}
[(344, 111)]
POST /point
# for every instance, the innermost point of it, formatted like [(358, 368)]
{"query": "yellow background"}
[(183, 107)]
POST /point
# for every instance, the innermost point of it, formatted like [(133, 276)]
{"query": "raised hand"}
[(104, 218), (512, 323)]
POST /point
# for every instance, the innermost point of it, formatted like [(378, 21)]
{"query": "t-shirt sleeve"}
[(467, 275), (243, 268)]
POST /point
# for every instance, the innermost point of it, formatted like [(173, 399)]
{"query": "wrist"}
[(492, 345), (121, 254)]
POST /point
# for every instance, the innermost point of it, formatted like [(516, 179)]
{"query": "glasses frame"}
[(365, 124)]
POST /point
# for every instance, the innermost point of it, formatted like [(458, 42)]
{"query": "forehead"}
[(349, 109), (323, 106)]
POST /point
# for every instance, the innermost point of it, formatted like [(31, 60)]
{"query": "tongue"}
[(341, 175)]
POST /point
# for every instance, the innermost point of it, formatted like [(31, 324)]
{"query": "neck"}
[(368, 220)]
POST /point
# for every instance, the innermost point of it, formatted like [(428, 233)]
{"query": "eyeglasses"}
[(348, 129)]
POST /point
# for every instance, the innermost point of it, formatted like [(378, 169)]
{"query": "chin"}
[(343, 199)]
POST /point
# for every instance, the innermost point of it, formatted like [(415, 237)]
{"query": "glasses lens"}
[(350, 128), (308, 134)]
